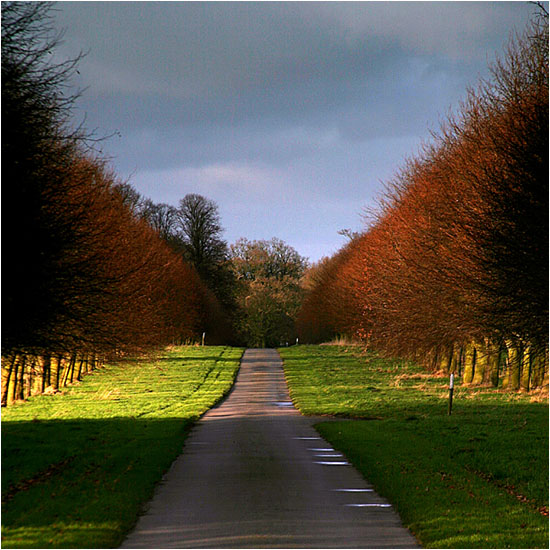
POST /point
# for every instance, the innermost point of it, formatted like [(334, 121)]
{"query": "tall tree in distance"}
[(198, 234), (199, 225)]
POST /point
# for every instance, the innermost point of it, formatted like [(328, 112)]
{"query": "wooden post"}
[(451, 388)]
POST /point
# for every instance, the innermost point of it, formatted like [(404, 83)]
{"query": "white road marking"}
[(354, 490), (336, 455), (370, 505)]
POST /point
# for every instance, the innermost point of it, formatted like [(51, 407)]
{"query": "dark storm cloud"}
[(231, 62), (303, 107), (204, 48)]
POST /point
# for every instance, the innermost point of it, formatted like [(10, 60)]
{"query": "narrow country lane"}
[(254, 473)]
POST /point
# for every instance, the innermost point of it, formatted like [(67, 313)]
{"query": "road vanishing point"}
[(255, 474)]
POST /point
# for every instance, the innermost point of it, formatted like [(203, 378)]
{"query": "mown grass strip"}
[(77, 466), (476, 479)]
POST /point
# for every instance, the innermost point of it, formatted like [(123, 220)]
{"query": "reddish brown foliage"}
[(459, 254)]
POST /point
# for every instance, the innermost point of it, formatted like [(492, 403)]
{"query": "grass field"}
[(477, 479), (77, 467)]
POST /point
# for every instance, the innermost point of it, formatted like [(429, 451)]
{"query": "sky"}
[(291, 116)]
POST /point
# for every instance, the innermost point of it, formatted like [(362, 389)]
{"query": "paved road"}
[(255, 474)]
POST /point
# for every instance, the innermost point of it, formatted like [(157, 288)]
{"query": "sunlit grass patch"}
[(478, 478), (77, 466)]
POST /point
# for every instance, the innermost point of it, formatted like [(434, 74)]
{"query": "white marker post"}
[(451, 388), (203, 337)]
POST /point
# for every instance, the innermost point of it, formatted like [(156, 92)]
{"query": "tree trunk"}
[(525, 379), (67, 366), (480, 364), (493, 363), (47, 371), (42, 363), (514, 365), (538, 359), (15, 378), (30, 376), (455, 361), (446, 360), (21, 385), (73, 365), (460, 360), (57, 363), (469, 364), (6, 377), (80, 364)]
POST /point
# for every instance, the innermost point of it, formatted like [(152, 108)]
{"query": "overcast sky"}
[(289, 115)]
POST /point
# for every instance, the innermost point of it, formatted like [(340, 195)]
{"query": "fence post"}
[(451, 388)]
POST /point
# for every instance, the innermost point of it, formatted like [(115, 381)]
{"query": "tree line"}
[(453, 272), (85, 276)]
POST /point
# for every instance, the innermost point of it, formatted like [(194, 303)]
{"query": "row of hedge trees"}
[(84, 277), (454, 271)]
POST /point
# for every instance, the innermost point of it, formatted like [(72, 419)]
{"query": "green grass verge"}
[(476, 479), (77, 466)]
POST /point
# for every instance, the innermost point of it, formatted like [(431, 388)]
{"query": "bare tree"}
[(199, 227)]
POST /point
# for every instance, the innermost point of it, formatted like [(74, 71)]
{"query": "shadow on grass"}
[(81, 483)]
